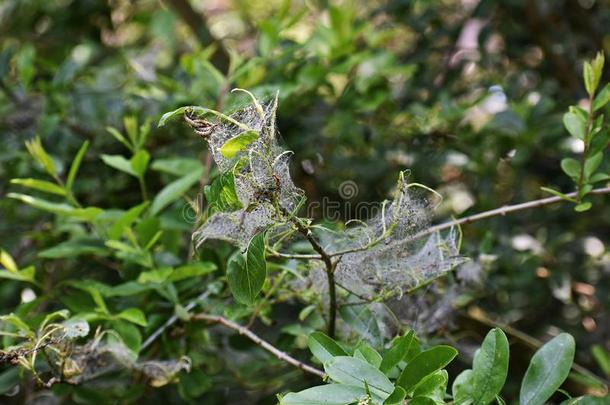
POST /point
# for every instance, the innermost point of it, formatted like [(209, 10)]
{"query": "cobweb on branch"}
[(261, 177)]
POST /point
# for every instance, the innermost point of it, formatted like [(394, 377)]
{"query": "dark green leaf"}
[(425, 363), (490, 368), (547, 370), (246, 275), (367, 353), (221, 194), (396, 397), (400, 348)]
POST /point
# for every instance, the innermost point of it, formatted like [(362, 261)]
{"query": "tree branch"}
[(260, 342)]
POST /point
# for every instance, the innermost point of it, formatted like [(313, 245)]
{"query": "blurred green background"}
[(466, 94)]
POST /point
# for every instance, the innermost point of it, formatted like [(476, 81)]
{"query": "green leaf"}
[(124, 221), (133, 315), (365, 352), (8, 380), (589, 78), (36, 149), (602, 357), (76, 164), (120, 163), (423, 401), (462, 388), (171, 115), (330, 394), (575, 125), (353, 371), (156, 276), (425, 363), (490, 368), (323, 347), (221, 194), (196, 269), (571, 167), (399, 350), (584, 206), (8, 262), (174, 190), (432, 386), (592, 163), (86, 214), (246, 275), (547, 370), (139, 162), (119, 137), (396, 397), (40, 185), (238, 143), (129, 334), (21, 326), (597, 177), (76, 247), (176, 166), (602, 98)]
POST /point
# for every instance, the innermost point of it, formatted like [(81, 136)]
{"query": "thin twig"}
[(173, 320), (260, 342)]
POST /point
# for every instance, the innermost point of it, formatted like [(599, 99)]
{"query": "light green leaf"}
[(584, 206), (597, 177), (174, 191), (330, 394), (490, 368), (425, 363), (363, 321), (21, 326), (238, 143), (157, 276), (41, 185), (602, 357), (547, 370), (399, 350), (86, 214), (139, 162), (575, 124), (589, 78), (171, 115), (246, 275), (120, 163), (36, 149), (76, 164), (462, 388), (602, 98), (353, 371), (133, 315), (119, 137), (176, 166), (432, 386), (558, 194), (571, 167), (8, 262), (365, 352), (323, 347), (196, 269)]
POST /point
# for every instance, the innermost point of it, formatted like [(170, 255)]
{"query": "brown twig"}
[(260, 342)]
